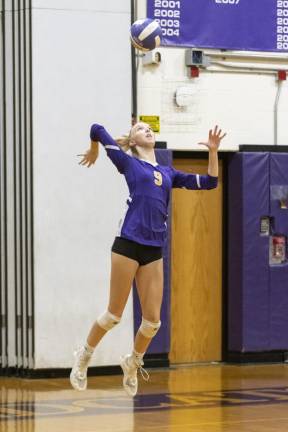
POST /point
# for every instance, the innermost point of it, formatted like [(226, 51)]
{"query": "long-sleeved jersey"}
[(149, 186)]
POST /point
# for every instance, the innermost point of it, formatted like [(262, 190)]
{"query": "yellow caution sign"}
[(153, 121)]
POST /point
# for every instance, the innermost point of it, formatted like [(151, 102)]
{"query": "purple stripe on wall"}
[(161, 342), (248, 284), (279, 273)]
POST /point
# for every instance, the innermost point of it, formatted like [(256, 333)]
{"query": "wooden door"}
[(196, 270)]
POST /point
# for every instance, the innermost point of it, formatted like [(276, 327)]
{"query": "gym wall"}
[(240, 101), (238, 92), (81, 75)]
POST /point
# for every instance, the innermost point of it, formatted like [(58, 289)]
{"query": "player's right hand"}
[(89, 157)]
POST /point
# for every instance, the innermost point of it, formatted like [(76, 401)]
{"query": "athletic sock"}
[(89, 349), (138, 357)]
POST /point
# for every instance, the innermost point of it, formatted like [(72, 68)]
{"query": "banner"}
[(250, 25)]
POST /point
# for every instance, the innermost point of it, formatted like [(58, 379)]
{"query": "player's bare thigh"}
[(149, 281), (123, 271)]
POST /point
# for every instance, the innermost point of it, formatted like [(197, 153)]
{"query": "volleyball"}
[(145, 34)]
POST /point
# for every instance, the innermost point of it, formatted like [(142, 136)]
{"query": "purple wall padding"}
[(248, 254), (235, 256), (279, 273), (161, 342)]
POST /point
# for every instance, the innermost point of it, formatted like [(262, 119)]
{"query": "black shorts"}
[(143, 254)]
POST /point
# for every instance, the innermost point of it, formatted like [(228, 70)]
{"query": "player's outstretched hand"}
[(89, 157), (214, 139)]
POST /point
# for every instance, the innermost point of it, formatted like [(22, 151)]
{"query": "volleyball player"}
[(137, 249)]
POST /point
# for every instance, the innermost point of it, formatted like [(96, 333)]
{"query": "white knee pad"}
[(149, 329), (107, 320)]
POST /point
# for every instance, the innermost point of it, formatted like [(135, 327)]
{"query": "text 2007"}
[(231, 2)]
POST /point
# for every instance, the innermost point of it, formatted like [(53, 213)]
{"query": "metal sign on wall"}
[(250, 25)]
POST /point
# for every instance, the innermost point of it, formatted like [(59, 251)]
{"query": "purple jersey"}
[(149, 186)]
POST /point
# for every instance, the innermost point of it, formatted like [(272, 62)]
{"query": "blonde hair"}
[(124, 142)]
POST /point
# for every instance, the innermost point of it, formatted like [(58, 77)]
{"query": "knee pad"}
[(107, 320), (149, 329)]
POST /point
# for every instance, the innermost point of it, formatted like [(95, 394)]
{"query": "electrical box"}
[(151, 58), (196, 58)]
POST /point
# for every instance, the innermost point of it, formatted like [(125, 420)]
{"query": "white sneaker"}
[(130, 367), (78, 375)]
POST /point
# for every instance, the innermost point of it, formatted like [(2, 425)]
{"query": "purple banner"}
[(250, 25)]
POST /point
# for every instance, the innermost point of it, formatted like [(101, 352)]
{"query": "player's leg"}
[(123, 271), (149, 280)]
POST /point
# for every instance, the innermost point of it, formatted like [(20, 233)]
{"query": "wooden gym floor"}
[(214, 398)]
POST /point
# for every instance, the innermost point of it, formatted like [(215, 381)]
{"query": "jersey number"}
[(158, 180)]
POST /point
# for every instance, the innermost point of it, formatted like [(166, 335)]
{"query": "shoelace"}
[(145, 375)]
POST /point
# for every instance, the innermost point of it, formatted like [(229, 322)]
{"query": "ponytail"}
[(123, 142)]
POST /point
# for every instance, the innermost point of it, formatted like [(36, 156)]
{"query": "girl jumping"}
[(137, 249)]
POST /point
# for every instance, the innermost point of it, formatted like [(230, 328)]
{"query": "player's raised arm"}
[(197, 181), (90, 156), (213, 143), (119, 158), (115, 149)]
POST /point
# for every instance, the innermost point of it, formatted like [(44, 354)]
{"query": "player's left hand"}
[(214, 139)]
